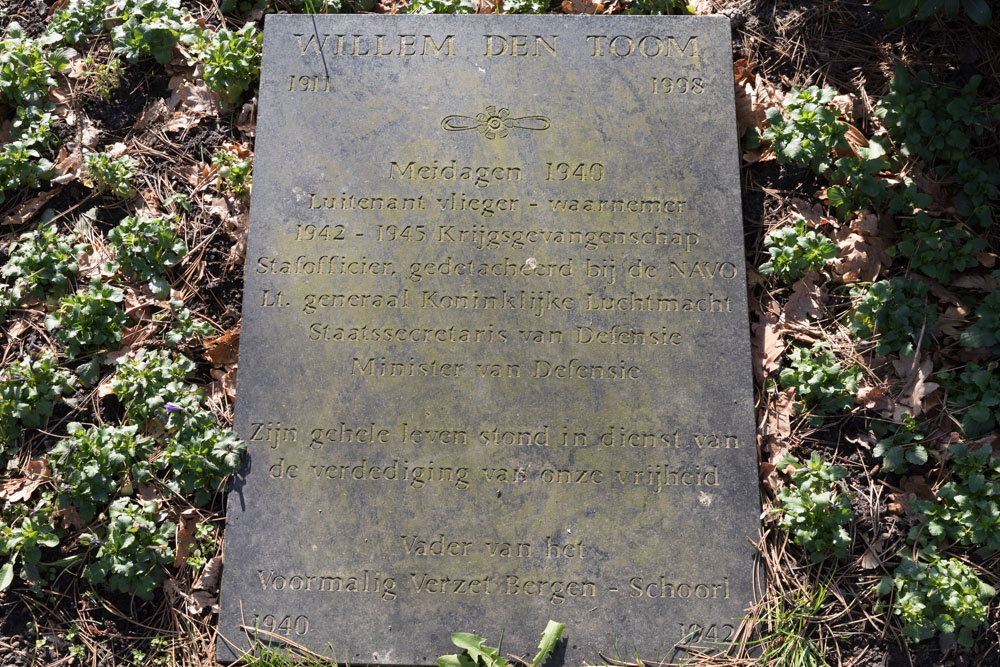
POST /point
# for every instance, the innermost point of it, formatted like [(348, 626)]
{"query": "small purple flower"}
[(172, 407)]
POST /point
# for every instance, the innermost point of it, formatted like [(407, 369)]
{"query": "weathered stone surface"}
[(495, 362)]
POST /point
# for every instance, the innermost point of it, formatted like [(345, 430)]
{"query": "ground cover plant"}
[(871, 192)]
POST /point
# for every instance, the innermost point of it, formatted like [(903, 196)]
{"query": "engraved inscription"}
[(494, 342)]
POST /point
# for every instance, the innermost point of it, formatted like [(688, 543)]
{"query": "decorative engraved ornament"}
[(494, 123)]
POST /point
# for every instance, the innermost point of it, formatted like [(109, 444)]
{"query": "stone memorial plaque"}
[(495, 362)]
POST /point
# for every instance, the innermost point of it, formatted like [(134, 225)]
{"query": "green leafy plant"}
[(898, 12), (815, 507), (787, 639), (94, 463), (133, 548), (22, 159), (795, 250), (938, 595), (897, 311), (104, 77), (234, 173), (525, 6), (110, 174), (186, 327), (148, 381), (227, 6), (901, 446), (978, 389), (151, 27), (199, 455), (204, 546), (78, 19), (985, 331), (145, 248), (658, 7), (906, 198), (930, 120), (230, 61), (41, 263), (937, 250), (28, 391), (857, 183), (26, 67), (820, 381), (6, 302), (23, 540), (441, 7), (980, 183), (808, 132), (969, 511), (88, 320), (475, 652)]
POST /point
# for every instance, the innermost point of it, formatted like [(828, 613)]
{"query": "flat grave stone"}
[(495, 363)]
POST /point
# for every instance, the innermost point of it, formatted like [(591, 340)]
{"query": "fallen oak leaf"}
[(208, 580), (27, 210), (768, 346), (224, 349), (224, 386), (20, 490), (877, 399), (915, 386), (187, 525), (581, 7), (806, 300), (858, 261), (781, 407)]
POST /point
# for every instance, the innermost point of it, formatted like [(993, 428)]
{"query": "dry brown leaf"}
[(224, 386), (876, 398), (580, 7), (858, 260), (779, 414), (62, 96), (20, 490), (912, 487), (768, 346), (200, 602), (845, 105), (70, 519), (151, 494), (187, 523), (915, 386), (156, 111), (246, 120), (68, 166), (209, 578), (702, 7), (953, 321), (117, 149), (987, 259), (104, 388), (192, 97), (90, 134), (855, 139), (814, 214), (980, 282), (871, 559), (223, 350), (21, 324), (27, 210), (806, 300)]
